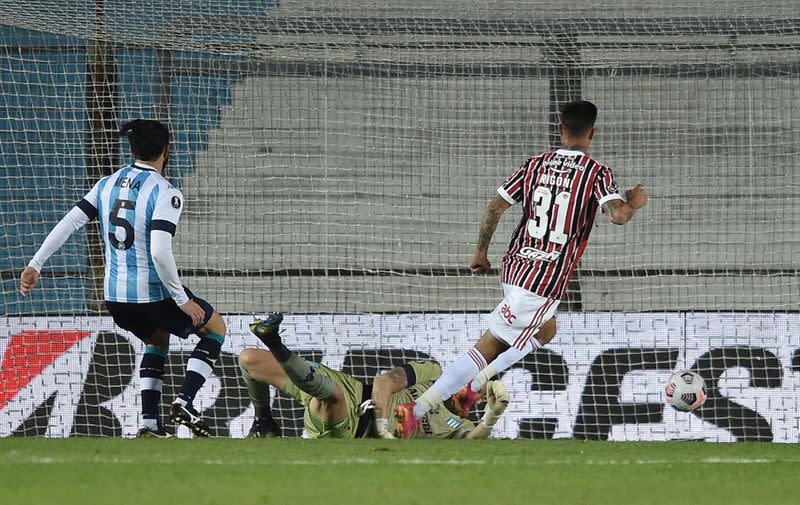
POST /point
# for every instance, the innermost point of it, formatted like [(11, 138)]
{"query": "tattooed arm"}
[(480, 262), (383, 388), (619, 211)]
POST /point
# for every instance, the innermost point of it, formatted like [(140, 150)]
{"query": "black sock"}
[(280, 351), (200, 366), (259, 396), (303, 375), (151, 372)]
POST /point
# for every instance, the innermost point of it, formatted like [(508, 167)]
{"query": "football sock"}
[(483, 377), (151, 373), (150, 424), (460, 372), (303, 376), (280, 351), (200, 366), (427, 401), (503, 362), (259, 395)]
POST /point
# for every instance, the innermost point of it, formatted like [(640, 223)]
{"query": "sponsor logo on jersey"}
[(559, 164), (533, 254)]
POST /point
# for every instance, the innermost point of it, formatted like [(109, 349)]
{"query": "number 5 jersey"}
[(129, 204)]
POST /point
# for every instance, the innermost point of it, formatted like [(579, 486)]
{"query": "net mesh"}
[(336, 159)]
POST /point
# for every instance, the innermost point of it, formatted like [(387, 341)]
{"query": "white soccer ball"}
[(686, 391)]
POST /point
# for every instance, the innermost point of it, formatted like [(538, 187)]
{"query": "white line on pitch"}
[(59, 460)]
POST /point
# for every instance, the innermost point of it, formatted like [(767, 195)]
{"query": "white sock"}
[(427, 401), (150, 424), (452, 380), (503, 362), (483, 377)]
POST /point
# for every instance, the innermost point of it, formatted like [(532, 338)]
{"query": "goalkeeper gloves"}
[(496, 402)]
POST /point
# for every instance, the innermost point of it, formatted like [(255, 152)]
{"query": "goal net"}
[(336, 160)]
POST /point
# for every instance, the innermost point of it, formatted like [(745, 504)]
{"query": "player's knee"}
[(248, 358), (490, 346), (217, 324), (159, 340), (160, 349), (544, 339)]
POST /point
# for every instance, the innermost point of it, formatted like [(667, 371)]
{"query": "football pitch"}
[(282, 471)]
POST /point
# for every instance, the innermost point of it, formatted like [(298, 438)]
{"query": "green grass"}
[(305, 472)]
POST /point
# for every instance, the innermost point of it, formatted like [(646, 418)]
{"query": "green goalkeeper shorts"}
[(316, 427)]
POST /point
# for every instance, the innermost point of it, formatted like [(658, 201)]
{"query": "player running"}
[(339, 406), (560, 192), (138, 210)]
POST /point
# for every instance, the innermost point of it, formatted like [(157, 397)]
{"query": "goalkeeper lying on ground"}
[(339, 406)]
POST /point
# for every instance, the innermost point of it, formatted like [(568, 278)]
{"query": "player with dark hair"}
[(138, 210), (336, 405), (560, 192)]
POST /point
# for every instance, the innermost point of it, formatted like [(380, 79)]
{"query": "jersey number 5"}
[(117, 220), (540, 223)]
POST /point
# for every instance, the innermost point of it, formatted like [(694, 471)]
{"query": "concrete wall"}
[(368, 136), (366, 173)]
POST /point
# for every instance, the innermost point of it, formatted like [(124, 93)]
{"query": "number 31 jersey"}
[(129, 204), (560, 192)]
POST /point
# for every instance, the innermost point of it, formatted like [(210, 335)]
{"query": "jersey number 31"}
[(540, 223)]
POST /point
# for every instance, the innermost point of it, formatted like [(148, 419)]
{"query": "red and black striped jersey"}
[(560, 192)]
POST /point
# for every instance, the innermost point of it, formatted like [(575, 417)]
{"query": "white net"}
[(336, 159)]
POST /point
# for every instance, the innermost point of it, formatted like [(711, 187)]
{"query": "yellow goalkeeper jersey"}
[(439, 422)]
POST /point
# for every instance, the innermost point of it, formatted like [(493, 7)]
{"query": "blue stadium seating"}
[(43, 126)]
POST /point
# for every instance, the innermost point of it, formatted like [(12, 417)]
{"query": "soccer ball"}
[(685, 391)]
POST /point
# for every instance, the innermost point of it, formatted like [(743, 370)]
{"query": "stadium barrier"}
[(601, 378)]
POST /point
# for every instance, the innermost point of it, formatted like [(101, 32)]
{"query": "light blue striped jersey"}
[(129, 204)]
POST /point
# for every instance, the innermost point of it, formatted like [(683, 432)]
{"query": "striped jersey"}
[(129, 204), (560, 192)]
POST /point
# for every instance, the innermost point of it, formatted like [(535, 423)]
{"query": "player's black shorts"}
[(143, 319)]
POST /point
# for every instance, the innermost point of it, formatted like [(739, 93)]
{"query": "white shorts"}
[(520, 315)]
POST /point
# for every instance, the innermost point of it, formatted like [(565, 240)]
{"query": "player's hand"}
[(194, 311), (636, 197), (480, 264), (496, 397), (28, 280), (496, 402)]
